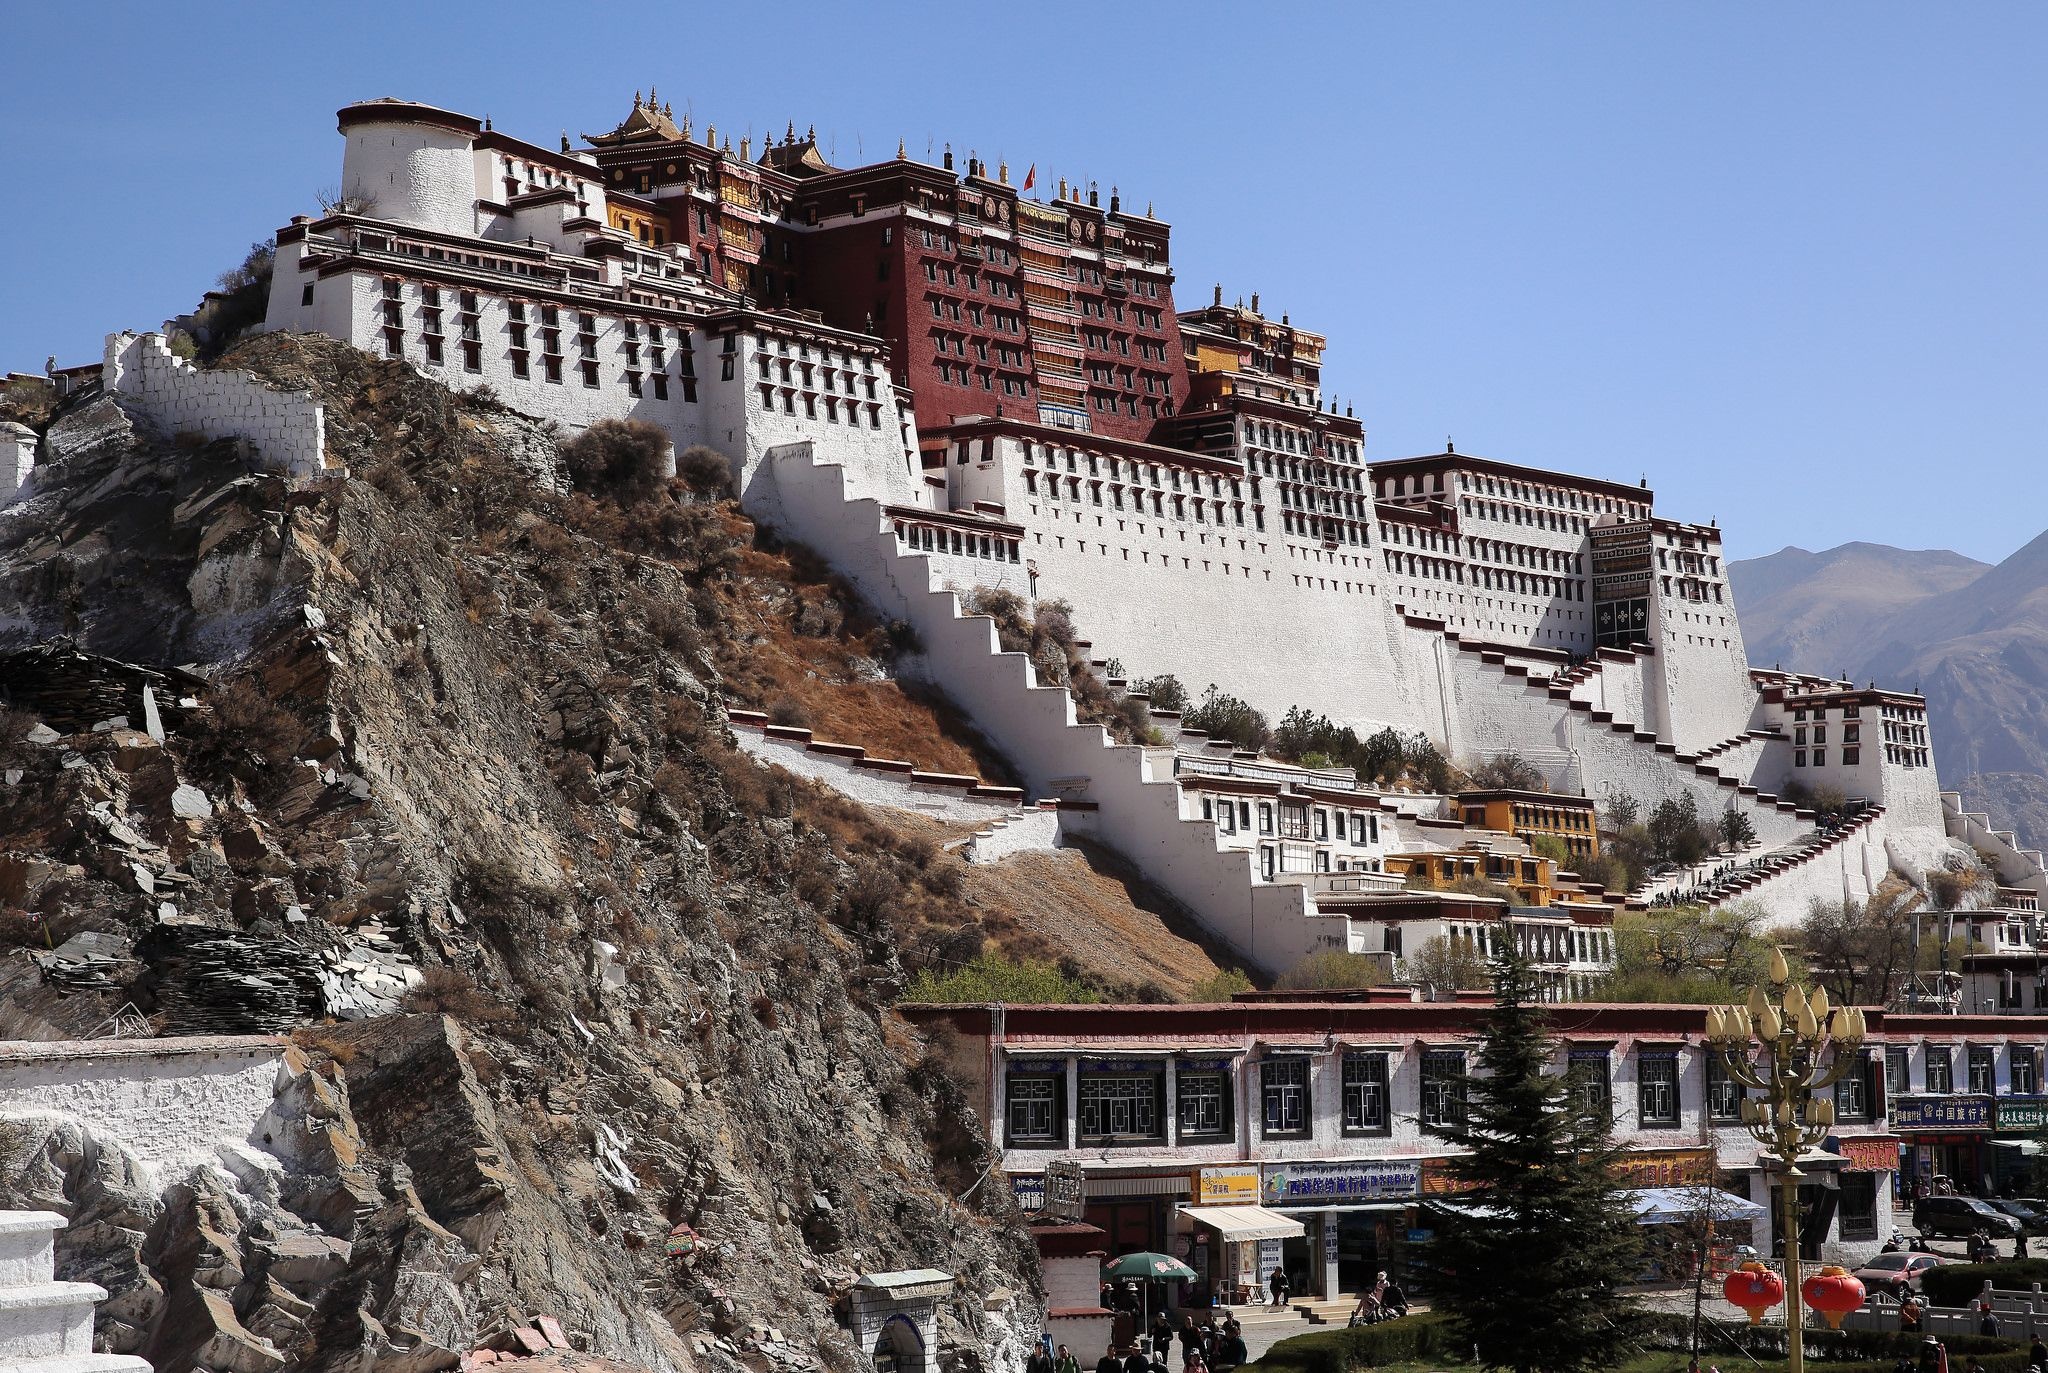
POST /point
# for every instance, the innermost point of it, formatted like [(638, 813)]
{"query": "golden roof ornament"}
[(900, 154)]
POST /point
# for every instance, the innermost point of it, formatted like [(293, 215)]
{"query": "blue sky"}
[(1783, 260)]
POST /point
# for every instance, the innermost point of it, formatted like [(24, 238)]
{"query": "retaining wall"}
[(288, 428)]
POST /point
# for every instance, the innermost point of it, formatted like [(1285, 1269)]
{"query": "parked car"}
[(1894, 1275), (1962, 1216), (2030, 1213)]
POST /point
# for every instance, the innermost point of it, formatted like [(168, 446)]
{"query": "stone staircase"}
[(1101, 789), (1746, 880), (46, 1325)]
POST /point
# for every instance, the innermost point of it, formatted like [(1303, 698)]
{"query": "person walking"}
[(1987, 1319), (1065, 1362), (1040, 1360), (2037, 1352), (1162, 1334), (1230, 1350), (1110, 1362)]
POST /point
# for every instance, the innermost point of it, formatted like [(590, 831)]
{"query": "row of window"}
[(1981, 1067), (1292, 820)]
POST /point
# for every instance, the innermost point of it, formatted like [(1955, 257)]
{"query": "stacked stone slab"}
[(46, 1325)]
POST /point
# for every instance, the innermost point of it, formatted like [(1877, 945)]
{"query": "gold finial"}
[(565, 140), (744, 141), (651, 101), (686, 124), (637, 101), (1002, 171), (668, 111), (900, 154), (790, 134), (1148, 209), (811, 134)]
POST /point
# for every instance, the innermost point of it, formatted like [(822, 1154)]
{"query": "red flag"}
[(1031, 176)]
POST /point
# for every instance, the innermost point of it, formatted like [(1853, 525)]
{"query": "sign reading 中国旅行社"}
[(1306, 1184), (1941, 1113)]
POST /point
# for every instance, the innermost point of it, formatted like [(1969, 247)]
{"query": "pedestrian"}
[(1231, 1353), (1065, 1362), (1909, 1313), (1135, 1360), (1933, 1356), (1110, 1362), (1190, 1337), (1276, 1283), (1040, 1360), (1192, 1361), (2037, 1352), (1162, 1334), (1987, 1321)]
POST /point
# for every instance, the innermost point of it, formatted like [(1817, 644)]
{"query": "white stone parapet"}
[(288, 429), (46, 1325)]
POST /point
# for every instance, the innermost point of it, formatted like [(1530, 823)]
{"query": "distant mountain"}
[(1818, 612), (1972, 637)]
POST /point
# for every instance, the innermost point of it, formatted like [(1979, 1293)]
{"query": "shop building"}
[(1294, 1132)]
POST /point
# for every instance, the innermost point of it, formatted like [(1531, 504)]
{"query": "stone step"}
[(47, 1318), (27, 1247), (80, 1363)]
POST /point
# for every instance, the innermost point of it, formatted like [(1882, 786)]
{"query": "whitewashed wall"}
[(288, 428)]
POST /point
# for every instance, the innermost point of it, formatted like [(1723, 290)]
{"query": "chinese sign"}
[(2018, 1114), (1941, 1113), (1297, 1184), (1227, 1186), (1664, 1168)]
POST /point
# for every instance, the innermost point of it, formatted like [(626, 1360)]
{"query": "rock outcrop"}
[(432, 771)]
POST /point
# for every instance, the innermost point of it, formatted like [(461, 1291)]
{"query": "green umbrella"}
[(1157, 1267), (1150, 1268)]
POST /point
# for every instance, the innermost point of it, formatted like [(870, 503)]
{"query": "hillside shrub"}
[(704, 470), (991, 977), (1223, 716), (1424, 1335), (1958, 1284), (624, 459), (1332, 970)]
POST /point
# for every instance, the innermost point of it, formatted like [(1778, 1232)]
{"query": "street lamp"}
[(1776, 1050)]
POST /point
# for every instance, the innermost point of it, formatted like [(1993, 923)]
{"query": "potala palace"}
[(941, 379)]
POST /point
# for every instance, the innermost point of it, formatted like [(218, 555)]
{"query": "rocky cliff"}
[(425, 763)]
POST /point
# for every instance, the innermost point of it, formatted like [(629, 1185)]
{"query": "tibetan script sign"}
[(1664, 1168), (1308, 1184), (1869, 1155)]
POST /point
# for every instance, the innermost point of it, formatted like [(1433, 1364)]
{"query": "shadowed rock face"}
[(1973, 637), (434, 733)]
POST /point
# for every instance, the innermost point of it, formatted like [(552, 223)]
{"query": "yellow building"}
[(1526, 814), (637, 217), (1532, 880)]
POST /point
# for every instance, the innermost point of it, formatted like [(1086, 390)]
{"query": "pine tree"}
[(1529, 1264)]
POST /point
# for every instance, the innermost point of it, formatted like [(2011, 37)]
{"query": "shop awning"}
[(1236, 1223), (1673, 1205)]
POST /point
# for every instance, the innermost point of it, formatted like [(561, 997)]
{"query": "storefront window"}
[(1657, 1088), (1443, 1086), (1121, 1104), (1284, 1087), (1035, 1116), (1204, 1099), (1983, 1069), (1941, 1070), (1724, 1093), (1365, 1094)]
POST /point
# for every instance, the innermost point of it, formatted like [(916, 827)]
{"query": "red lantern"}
[(1754, 1288), (1833, 1292)]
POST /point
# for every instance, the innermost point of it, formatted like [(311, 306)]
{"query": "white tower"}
[(411, 164)]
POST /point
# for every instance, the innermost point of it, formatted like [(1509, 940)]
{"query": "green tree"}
[(1445, 967), (1509, 770), (1688, 954), (1530, 1268), (1333, 970), (1223, 716), (1166, 692), (1735, 829), (1381, 757), (1623, 810)]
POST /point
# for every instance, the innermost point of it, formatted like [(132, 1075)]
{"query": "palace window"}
[(1120, 1104), (1034, 1111), (1588, 1080), (1852, 1094), (1941, 1070), (1443, 1086), (1983, 1069), (1203, 1098), (1283, 1089), (1657, 1088), (1365, 1094), (1724, 1093), (1897, 1071), (2026, 1074)]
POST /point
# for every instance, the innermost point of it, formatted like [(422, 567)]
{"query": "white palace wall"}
[(288, 428)]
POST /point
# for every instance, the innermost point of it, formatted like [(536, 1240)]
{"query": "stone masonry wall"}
[(289, 429)]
